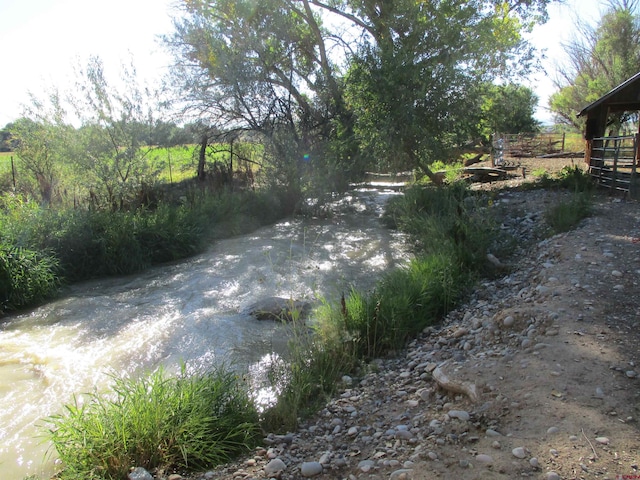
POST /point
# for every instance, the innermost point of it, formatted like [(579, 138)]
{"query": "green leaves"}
[(26, 277), (599, 60), (189, 421)]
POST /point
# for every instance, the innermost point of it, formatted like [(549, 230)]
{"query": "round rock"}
[(519, 452), (484, 459), (311, 469), (508, 321), (402, 474), (459, 414), (275, 467)]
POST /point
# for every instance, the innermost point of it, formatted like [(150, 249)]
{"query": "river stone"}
[(484, 459), (519, 452), (402, 474), (508, 321), (278, 308), (274, 467), (311, 469), (139, 473), (459, 414)]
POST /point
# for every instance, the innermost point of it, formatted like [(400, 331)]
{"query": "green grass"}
[(184, 422), (26, 277), (566, 216)]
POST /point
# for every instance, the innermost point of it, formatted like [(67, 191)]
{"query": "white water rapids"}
[(188, 311)]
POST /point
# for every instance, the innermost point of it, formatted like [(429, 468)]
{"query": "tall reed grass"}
[(159, 422)]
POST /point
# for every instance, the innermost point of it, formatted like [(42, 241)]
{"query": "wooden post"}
[(616, 154), (632, 182), (13, 173)]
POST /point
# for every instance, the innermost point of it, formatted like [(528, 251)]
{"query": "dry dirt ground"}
[(553, 352)]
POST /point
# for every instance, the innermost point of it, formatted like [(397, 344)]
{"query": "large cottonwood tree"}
[(395, 79)]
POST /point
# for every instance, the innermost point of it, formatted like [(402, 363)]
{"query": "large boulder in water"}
[(278, 308)]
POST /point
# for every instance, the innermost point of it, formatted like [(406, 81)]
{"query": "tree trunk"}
[(204, 141)]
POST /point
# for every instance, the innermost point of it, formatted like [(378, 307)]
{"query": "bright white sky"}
[(41, 41)]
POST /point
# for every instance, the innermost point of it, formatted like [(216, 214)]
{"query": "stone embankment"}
[(535, 376)]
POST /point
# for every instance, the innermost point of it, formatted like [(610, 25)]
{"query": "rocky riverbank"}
[(536, 376)]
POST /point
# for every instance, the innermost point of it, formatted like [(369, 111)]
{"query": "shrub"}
[(157, 422), (567, 215), (575, 179), (26, 277)]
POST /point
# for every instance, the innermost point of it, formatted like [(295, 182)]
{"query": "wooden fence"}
[(507, 147), (613, 163)]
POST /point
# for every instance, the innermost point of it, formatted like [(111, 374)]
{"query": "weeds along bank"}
[(166, 425)]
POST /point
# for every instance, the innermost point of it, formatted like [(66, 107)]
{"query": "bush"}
[(26, 277), (157, 422), (451, 221)]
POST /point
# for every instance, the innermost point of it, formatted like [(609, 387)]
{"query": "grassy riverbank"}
[(42, 248), (452, 229)]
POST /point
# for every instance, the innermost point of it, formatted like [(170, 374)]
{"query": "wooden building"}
[(613, 159)]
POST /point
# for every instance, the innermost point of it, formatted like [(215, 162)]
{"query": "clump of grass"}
[(453, 221), (575, 179), (541, 173), (451, 172), (403, 303), (567, 215), (182, 422), (26, 277), (307, 377)]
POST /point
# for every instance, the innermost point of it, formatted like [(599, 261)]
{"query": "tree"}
[(111, 150), (600, 59), (41, 140), (414, 84), (409, 75), (5, 138), (261, 67), (507, 109)]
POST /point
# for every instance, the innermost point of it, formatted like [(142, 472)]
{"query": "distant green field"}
[(5, 162), (174, 164), (574, 142)]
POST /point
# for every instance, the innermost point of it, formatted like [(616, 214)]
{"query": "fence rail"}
[(613, 162), (507, 147)]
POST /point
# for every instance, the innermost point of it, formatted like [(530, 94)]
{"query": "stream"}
[(188, 311)]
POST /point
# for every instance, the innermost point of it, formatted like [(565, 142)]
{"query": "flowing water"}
[(188, 312)]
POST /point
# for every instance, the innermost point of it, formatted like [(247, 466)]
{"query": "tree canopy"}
[(364, 82), (602, 57)]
